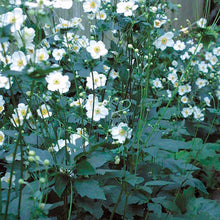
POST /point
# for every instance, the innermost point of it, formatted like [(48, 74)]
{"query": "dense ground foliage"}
[(120, 121)]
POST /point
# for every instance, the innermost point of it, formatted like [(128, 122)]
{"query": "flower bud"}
[(46, 162)]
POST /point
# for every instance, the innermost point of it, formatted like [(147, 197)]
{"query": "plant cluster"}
[(119, 122)]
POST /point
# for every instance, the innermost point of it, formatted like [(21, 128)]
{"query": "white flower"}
[(157, 83), (64, 4), (25, 36), (197, 113), (89, 102), (44, 111), (106, 68), (41, 55), (83, 41), (4, 82), (9, 158), (23, 111), (78, 102), (160, 20), (184, 99), (216, 51), (179, 46), (91, 5), (184, 56), (97, 49), (98, 80), (201, 82), (58, 54), (172, 77), (63, 24), (15, 2), (121, 132), (100, 111), (213, 60), (186, 112), (6, 178), (201, 22), (164, 41), (77, 22), (2, 138), (188, 88), (114, 74), (57, 82), (217, 92), (182, 89), (60, 144), (2, 103), (208, 55), (174, 63), (203, 67), (207, 101), (80, 134), (126, 8), (169, 94), (101, 15), (19, 61), (153, 9), (16, 120), (15, 18)]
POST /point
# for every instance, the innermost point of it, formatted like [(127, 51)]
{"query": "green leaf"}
[(158, 183), (89, 188), (155, 208), (133, 180), (99, 158), (181, 202), (123, 73), (85, 168), (170, 112), (94, 207), (196, 183), (60, 184)]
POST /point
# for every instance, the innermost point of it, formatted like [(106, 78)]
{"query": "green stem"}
[(116, 204), (71, 200)]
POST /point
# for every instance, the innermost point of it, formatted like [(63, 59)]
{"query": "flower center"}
[(121, 132), (20, 63), (97, 49), (40, 57), (164, 40), (23, 112), (92, 5), (1, 138), (1, 108), (157, 23), (12, 19), (127, 8), (96, 80), (97, 111), (44, 111), (56, 82)]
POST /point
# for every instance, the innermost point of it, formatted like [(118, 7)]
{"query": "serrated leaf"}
[(196, 183), (89, 188)]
